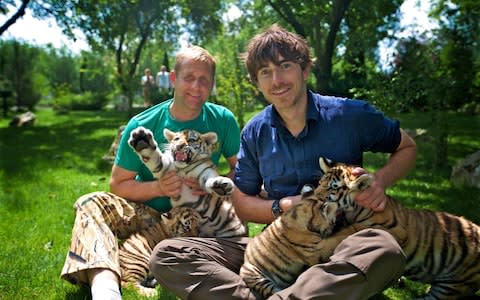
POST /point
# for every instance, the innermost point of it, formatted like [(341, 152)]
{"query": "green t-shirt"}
[(212, 118)]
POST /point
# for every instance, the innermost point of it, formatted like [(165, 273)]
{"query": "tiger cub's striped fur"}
[(134, 252), (296, 239), (442, 249), (189, 153)]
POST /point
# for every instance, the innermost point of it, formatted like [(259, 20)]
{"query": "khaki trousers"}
[(102, 219), (364, 264)]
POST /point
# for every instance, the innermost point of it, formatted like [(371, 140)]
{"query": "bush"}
[(85, 101), (89, 101)]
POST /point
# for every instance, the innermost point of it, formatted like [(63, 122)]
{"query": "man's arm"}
[(397, 167), (232, 161), (123, 184), (252, 208), (257, 209)]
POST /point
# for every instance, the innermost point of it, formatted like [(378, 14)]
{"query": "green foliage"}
[(363, 28), (65, 101), (44, 168), (433, 73), (233, 88), (32, 73), (17, 63), (204, 18), (440, 70), (60, 67), (94, 75), (124, 28)]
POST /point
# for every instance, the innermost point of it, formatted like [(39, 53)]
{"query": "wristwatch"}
[(276, 209)]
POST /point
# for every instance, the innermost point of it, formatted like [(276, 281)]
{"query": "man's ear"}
[(306, 71)]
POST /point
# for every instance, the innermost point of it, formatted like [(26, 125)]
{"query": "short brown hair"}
[(275, 41), (195, 53)]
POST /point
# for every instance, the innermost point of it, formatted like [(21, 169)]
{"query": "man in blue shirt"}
[(279, 150), (339, 129)]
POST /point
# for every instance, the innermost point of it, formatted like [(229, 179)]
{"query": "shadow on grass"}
[(80, 294), (69, 143), (74, 142)]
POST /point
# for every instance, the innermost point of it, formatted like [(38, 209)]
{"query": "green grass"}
[(44, 168)]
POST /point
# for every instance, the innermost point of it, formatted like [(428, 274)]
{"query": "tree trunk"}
[(323, 69)]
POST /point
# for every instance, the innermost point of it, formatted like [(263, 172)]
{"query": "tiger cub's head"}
[(182, 221), (313, 214), (340, 184), (334, 195), (189, 145)]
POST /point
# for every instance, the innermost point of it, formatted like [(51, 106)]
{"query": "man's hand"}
[(195, 186), (171, 184), (373, 197), (288, 202)]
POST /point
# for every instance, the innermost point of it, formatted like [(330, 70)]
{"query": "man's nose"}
[(277, 75)]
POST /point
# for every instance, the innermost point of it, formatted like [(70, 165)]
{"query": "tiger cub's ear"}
[(209, 137), (168, 134), (325, 164)]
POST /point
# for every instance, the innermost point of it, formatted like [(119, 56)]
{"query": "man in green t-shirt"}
[(93, 255)]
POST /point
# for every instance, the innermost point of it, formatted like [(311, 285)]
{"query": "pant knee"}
[(372, 249), (88, 199)]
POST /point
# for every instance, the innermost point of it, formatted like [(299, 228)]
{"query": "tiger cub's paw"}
[(141, 140), (307, 190), (149, 281), (222, 186)]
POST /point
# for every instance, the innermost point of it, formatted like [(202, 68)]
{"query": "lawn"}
[(44, 168)]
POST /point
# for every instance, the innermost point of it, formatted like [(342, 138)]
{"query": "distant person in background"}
[(163, 80), (148, 84), (164, 83)]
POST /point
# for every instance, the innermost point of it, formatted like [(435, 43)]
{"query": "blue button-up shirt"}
[(336, 128)]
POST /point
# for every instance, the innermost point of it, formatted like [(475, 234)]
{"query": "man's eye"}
[(263, 72), (286, 65)]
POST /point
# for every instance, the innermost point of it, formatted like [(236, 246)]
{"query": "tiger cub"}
[(189, 153), (442, 250), (276, 257), (134, 252)]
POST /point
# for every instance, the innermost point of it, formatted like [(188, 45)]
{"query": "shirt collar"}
[(312, 110)]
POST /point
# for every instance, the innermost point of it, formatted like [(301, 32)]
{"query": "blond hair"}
[(195, 53)]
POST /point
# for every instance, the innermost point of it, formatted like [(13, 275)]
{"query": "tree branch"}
[(20, 13), (287, 14)]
